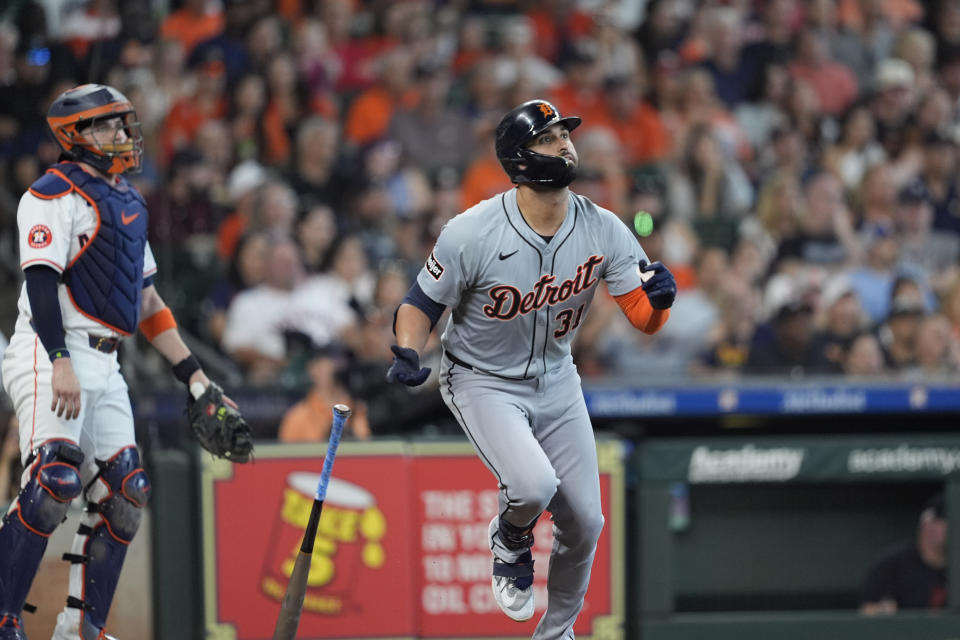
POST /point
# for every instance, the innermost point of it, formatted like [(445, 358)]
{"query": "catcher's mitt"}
[(218, 427)]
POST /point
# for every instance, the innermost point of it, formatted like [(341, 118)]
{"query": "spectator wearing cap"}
[(242, 185), (872, 280), (430, 132), (892, 103), (834, 84), (912, 574), (939, 177), (839, 321), (935, 255), (784, 345), (898, 334), (310, 419)]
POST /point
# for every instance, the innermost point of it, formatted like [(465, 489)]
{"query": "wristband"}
[(56, 354), (186, 368)]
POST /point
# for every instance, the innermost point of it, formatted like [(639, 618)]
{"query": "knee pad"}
[(54, 481), (119, 493)]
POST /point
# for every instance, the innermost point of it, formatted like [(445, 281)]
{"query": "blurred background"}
[(794, 163)]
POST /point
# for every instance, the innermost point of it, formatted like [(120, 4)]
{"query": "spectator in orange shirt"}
[(637, 124), (196, 21), (190, 113), (484, 177), (242, 186), (371, 112), (310, 419), (582, 91)]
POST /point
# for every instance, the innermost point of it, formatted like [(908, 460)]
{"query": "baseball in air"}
[(643, 223)]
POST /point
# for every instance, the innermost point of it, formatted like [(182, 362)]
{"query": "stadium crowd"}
[(798, 160)]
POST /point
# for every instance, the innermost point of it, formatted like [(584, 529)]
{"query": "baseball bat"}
[(292, 605)]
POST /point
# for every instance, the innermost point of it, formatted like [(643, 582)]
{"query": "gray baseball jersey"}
[(517, 299)]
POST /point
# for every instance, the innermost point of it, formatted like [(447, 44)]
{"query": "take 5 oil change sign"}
[(401, 550)]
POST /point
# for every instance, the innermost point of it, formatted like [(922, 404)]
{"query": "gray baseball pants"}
[(536, 438)]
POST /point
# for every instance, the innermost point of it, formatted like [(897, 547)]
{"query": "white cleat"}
[(516, 603), (68, 628)]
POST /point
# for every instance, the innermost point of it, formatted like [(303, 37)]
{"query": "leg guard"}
[(517, 538), (52, 481), (115, 499)]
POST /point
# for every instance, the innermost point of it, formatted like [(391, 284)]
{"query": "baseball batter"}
[(88, 283), (519, 272)]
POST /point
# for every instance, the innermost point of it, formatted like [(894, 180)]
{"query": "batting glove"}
[(406, 367), (658, 284)]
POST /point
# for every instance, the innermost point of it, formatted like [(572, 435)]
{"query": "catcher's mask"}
[(517, 129), (76, 112)]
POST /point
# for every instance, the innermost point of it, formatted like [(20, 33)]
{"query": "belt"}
[(466, 365), (103, 344), (100, 343), (455, 360)]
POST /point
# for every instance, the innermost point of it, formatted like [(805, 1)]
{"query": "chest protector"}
[(105, 279)]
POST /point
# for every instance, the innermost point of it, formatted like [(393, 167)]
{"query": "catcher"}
[(88, 272)]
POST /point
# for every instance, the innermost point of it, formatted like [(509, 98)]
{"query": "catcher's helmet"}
[(518, 128), (86, 106)]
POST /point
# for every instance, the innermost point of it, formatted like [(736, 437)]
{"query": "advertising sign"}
[(401, 551)]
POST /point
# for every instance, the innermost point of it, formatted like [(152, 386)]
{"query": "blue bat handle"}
[(340, 414)]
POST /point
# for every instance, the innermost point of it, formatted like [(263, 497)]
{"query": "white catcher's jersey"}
[(516, 300), (52, 232)]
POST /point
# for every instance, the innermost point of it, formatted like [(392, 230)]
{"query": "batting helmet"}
[(517, 129), (87, 106)]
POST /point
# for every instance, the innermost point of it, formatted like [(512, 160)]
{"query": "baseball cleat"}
[(11, 628), (68, 628), (512, 583)]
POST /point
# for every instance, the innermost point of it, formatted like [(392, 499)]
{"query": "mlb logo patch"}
[(39, 236), (434, 268)]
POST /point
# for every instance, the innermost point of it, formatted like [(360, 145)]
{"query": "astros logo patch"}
[(39, 236)]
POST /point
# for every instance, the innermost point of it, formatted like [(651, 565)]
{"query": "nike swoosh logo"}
[(505, 256), (128, 219)]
